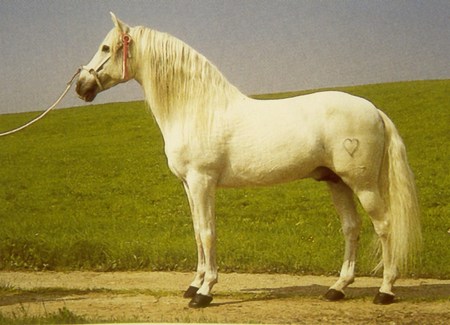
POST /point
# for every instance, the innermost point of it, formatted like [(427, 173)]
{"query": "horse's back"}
[(306, 119)]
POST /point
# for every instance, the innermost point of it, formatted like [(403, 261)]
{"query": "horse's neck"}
[(183, 89)]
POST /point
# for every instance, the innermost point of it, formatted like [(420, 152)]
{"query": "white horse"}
[(215, 136)]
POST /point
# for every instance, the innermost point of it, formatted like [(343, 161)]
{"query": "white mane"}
[(177, 80)]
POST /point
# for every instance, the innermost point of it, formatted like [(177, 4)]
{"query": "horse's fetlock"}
[(211, 279)]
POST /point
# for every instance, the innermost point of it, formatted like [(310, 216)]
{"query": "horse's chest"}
[(184, 159)]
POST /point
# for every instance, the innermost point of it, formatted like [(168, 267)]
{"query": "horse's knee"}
[(351, 229)]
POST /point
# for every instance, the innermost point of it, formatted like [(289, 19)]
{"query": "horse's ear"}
[(120, 25)]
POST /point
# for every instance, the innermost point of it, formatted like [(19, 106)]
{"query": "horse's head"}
[(109, 66)]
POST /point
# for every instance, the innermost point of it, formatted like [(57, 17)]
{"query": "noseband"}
[(126, 40)]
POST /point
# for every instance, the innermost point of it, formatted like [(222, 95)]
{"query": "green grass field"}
[(88, 189)]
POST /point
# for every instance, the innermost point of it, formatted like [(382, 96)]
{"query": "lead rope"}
[(69, 84)]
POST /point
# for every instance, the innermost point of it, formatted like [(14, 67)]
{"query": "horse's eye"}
[(105, 48)]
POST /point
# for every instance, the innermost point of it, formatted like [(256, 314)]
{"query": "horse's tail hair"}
[(403, 215)]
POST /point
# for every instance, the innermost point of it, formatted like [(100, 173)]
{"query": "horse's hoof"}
[(200, 301), (334, 295), (383, 299), (190, 292)]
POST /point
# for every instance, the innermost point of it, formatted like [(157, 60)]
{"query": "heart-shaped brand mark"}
[(351, 145)]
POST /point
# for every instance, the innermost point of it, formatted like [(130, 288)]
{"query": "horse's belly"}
[(259, 177), (266, 166)]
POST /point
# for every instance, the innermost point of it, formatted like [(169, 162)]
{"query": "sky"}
[(261, 46)]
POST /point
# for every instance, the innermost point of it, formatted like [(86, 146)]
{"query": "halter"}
[(126, 40)]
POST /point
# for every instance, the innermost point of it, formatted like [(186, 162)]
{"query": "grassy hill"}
[(88, 188)]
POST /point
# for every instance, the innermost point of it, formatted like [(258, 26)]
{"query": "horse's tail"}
[(400, 196)]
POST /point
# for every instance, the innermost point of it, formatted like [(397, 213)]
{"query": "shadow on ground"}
[(425, 292), (44, 295)]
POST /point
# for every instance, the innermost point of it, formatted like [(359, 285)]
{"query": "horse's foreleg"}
[(200, 274), (344, 203), (202, 198)]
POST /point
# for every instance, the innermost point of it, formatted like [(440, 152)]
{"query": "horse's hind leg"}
[(375, 207), (344, 203)]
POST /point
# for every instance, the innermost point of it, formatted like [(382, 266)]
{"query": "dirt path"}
[(239, 298)]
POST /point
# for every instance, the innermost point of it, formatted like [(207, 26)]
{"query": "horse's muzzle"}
[(86, 90)]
